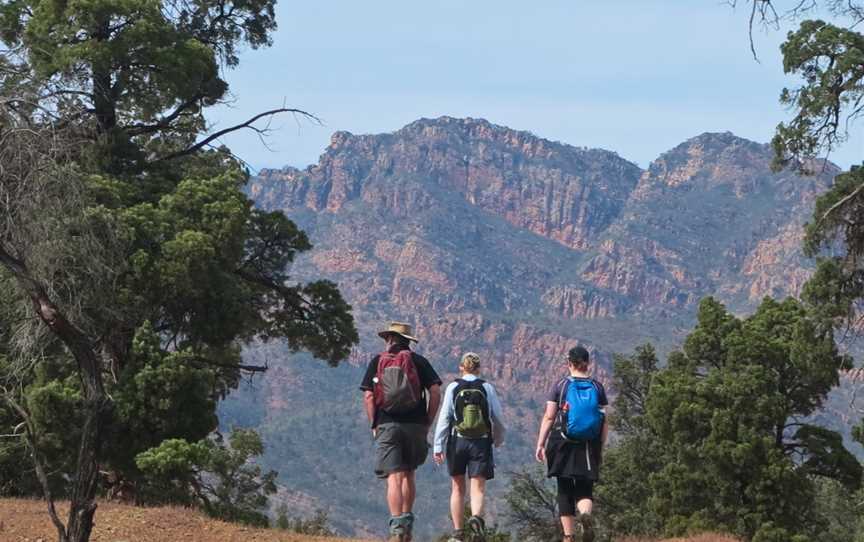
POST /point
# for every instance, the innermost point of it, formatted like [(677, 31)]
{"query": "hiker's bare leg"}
[(569, 524), (409, 491), (478, 492), (395, 501), (585, 506), (457, 501)]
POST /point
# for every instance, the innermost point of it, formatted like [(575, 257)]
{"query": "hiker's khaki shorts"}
[(400, 447)]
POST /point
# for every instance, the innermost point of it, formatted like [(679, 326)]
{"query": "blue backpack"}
[(579, 405)]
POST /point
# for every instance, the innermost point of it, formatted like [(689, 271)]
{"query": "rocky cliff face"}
[(567, 194), (500, 242), (459, 218)]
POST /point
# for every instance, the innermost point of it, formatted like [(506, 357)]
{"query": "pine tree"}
[(731, 410)]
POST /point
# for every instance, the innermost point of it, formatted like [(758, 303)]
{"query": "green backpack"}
[(472, 409)]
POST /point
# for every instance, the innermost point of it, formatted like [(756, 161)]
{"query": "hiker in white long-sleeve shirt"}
[(469, 424)]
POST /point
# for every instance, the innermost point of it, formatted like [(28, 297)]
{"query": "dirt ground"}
[(27, 521)]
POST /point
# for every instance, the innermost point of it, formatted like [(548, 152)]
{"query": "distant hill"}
[(498, 241)]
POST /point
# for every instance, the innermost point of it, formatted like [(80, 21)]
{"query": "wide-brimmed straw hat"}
[(403, 330)]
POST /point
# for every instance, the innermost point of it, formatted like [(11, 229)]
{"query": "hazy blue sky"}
[(633, 76)]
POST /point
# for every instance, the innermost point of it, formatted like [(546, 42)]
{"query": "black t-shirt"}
[(428, 378), (554, 394)]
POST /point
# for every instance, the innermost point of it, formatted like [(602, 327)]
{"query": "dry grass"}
[(27, 521)]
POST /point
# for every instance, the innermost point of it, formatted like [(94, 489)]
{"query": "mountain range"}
[(516, 247)]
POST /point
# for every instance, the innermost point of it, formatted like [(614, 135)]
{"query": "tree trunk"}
[(83, 499), (104, 102), (83, 495)]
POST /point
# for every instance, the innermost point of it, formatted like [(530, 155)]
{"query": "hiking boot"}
[(397, 530), (457, 536), (586, 522), (569, 538), (477, 529), (408, 522)]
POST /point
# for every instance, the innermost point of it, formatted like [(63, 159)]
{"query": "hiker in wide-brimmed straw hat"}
[(401, 395), (398, 328)]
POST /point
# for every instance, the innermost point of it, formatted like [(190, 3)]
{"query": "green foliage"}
[(624, 495), (830, 61), (221, 478), (282, 520), (495, 534), (729, 410), (317, 525), (130, 61), (53, 397), (631, 380), (164, 396), (840, 511), (532, 506)]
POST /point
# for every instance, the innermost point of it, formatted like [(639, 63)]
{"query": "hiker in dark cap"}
[(401, 395), (572, 434)]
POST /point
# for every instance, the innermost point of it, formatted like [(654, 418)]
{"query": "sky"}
[(637, 77)]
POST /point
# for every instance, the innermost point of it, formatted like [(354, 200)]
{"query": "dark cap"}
[(577, 354)]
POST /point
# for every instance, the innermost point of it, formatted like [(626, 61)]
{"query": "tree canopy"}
[(720, 439)]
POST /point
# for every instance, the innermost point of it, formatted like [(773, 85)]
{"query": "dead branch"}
[(249, 124), (38, 463), (841, 203), (241, 367)]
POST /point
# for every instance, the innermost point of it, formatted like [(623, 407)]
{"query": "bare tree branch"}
[(240, 367), (247, 125), (38, 462), (841, 202)]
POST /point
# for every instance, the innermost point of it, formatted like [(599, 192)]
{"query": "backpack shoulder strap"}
[(564, 382), (385, 355), (480, 384), (597, 388), (379, 361), (406, 354)]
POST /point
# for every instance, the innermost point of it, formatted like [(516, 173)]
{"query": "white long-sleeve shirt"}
[(448, 415)]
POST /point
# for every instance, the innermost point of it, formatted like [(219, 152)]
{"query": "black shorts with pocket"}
[(400, 447), (470, 456)]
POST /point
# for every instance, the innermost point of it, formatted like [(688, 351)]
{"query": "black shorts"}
[(470, 456), (571, 491), (400, 447)]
